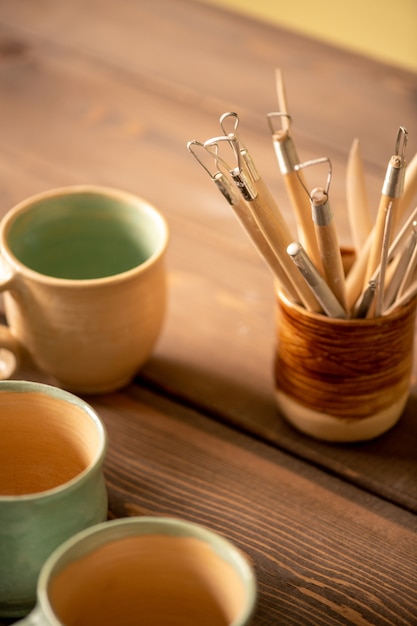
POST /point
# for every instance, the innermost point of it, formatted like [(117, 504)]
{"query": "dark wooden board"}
[(324, 552), (110, 93)]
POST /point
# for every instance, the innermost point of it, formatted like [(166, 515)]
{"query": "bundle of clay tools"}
[(309, 267)]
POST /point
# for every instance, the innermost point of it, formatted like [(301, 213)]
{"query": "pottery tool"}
[(383, 273), (408, 295), (386, 236), (321, 290), (241, 210), (410, 187), (265, 212), (354, 280), (363, 305), (395, 250), (325, 229), (356, 198), (282, 101), (287, 157), (403, 270), (392, 189)]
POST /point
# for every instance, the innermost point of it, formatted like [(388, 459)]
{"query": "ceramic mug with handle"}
[(147, 570), (83, 274), (52, 449)]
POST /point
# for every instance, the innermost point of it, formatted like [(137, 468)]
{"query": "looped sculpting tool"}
[(240, 207), (222, 182), (232, 118), (287, 158), (326, 234), (234, 163), (309, 268), (264, 211)]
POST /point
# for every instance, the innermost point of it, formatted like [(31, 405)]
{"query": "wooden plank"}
[(215, 54), (113, 97), (324, 552), (227, 59)]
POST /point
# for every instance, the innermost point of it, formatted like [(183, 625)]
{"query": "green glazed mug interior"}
[(83, 273), (84, 235)]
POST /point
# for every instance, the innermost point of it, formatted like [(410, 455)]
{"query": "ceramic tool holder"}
[(343, 380)]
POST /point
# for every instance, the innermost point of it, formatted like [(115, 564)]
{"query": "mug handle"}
[(10, 348), (34, 618)]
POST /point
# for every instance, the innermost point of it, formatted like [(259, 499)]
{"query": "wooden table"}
[(110, 92)]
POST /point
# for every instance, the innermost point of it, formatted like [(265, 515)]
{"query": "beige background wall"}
[(382, 29)]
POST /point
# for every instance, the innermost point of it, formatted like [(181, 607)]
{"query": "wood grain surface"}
[(324, 552), (110, 92)]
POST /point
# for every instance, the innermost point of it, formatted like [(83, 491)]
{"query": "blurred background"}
[(381, 29)]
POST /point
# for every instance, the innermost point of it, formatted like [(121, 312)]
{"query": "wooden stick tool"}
[(265, 212), (287, 158), (392, 190), (357, 198), (326, 234), (321, 290), (242, 212)]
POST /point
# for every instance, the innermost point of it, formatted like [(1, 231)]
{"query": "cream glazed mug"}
[(52, 450), (145, 570), (83, 273)]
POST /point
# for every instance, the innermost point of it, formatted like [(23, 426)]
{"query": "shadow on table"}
[(385, 466)]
